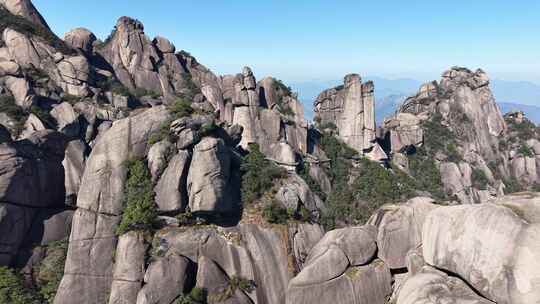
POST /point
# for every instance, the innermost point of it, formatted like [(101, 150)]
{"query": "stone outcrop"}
[(89, 267), (351, 108), (341, 269), (433, 286), (400, 229), (494, 247), (80, 38), (25, 9)]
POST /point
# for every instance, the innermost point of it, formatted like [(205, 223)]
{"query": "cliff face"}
[(130, 173)]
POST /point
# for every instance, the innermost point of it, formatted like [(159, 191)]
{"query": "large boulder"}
[(494, 247), (33, 174), (171, 192), (80, 38), (340, 269), (400, 229), (209, 178), (434, 286), (15, 222), (165, 279), (129, 268)]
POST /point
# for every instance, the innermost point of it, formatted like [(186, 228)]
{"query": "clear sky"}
[(298, 40)]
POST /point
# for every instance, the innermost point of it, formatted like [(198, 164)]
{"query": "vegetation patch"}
[(139, 207), (12, 289), (425, 173), (525, 151), (195, 296), (303, 172), (51, 269), (479, 179), (181, 108), (19, 116), (258, 174), (235, 283)]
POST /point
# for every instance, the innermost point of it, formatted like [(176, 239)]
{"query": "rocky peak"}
[(25, 9), (350, 108), (80, 38)]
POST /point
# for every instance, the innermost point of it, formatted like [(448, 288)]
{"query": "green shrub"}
[(479, 179), (190, 89), (275, 214), (438, 137), (235, 283), (139, 208), (195, 296), (536, 187), (162, 134), (258, 174), (524, 131), (8, 106), (303, 172), (379, 186), (12, 290), (181, 108), (141, 92), (426, 175), (51, 269), (44, 116), (26, 27), (512, 186), (525, 151)]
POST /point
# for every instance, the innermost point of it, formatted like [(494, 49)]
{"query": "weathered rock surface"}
[(400, 229), (433, 286), (165, 280), (80, 38), (494, 247), (209, 178), (129, 268), (336, 271), (171, 192), (25, 9), (32, 171), (89, 265), (351, 109)]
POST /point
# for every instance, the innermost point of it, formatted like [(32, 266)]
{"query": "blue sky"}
[(299, 40)]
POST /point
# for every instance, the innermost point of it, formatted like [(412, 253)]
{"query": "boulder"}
[(165, 279), (67, 119), (215, 282), (494, 247), (400, 229), (129, 268), (80, 38), (33, 174), (171, 192), (369, 284), (209, 176), (158, 157), (433, 286)]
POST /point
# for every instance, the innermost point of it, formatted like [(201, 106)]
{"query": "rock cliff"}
[(132, 174)]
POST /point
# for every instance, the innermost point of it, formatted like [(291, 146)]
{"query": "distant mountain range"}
[(390, 93)]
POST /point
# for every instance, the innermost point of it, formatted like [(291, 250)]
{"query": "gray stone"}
[(157, 158), (80, 38), (483, 244), (171, 192), (208, 178), (165, 280), (400, 229), (433, 286)]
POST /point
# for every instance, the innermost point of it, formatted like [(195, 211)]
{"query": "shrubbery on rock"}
[(139, 207)]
